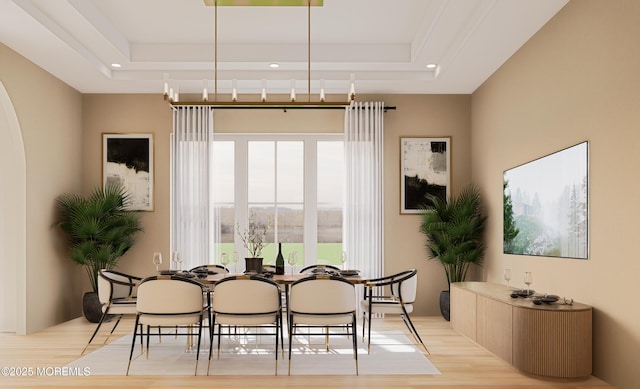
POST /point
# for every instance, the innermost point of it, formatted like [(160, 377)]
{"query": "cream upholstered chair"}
[(402, 287), (247, 301), (170, 301), (323, 302), (116, 292)]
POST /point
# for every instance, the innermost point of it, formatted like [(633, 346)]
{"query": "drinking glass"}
[(224, 259), (507, 276), (344, 260), (179, 260), (157, 260), (528, 279), (235, 261), (292, 259), (176, 258)]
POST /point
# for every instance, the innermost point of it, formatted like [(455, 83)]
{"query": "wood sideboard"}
[(552, 340)]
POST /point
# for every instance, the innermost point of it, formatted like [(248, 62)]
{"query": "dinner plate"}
[(522, 293), (322, 270), (186, 274), (549, 298)]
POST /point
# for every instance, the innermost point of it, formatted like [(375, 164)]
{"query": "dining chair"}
[(250, 302), (323, 302), (272, 269), (212, 269), (116, 292), (170, 301), (319, 269), (402, 288), (269, 268)]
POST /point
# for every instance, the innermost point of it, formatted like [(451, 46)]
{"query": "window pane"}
[(223, 171), (291, 172), (261, 174), (290, 223), (223, 235), (265, 215), (330, 201), (226, 215), (330, 172), (223, 180), (329, 235), (330, 254)]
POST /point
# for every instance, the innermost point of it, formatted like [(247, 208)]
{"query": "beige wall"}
[(423, 115), (48, 112), (132, 114), (576, 80)]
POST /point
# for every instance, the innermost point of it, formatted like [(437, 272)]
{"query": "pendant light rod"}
[(322, 104), (215, 52), (272, 105), (309, 50)]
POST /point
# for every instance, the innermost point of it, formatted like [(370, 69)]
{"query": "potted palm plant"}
[(100, 230), (454, 229)]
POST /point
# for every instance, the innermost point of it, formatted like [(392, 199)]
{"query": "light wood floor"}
[(462, 363)]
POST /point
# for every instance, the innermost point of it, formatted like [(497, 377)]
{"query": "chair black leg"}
[(412, 329), (148, 334), (212, 326), (278, 330), (133, 341), (141, 339), (282, 334), (199, 339), (219, 336), (291, 334), (369, 333), (355, 342), (114, 328), (104, 315)]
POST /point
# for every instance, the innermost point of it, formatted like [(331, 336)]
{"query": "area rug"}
[(242, 354)]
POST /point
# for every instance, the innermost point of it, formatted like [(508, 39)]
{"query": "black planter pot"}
[(253, 265), (445, 299), (91, 307)]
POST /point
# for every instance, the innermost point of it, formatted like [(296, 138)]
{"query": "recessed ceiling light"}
[(116, 65), (274, 65), (432, 66)]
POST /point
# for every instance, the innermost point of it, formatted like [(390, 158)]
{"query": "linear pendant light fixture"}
[(293, 102)]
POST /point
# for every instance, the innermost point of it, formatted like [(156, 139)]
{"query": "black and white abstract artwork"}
[(127, 160), (425, 168)]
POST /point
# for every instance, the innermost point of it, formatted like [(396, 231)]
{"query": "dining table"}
[(281, 279)]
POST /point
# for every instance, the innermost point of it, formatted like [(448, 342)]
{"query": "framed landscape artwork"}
[(425, 168), (127, 160), (546, 205)]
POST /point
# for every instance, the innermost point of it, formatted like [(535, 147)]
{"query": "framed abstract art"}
[(127, 160), (425, 168)]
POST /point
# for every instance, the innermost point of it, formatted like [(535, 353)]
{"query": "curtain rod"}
[(263, 105)]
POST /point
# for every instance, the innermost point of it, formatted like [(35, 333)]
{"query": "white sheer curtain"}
[(192, 221), (363, 238)]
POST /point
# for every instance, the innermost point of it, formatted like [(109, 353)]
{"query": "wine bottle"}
[(279, 260)]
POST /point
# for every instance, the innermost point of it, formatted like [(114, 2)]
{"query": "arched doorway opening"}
[(13, 219)]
